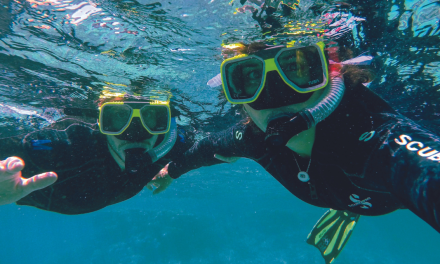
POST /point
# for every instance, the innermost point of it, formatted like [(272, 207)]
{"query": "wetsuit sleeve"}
[(239, 141), (413, 156)]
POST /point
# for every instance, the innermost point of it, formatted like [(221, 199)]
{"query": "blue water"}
[(51, 58), (224, 214)]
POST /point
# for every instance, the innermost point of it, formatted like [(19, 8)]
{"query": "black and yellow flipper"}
[(332, 232)]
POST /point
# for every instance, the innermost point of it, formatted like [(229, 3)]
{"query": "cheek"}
[(257, 116)]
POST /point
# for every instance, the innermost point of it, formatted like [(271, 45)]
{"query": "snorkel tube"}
[(281, 129), (166, 145)]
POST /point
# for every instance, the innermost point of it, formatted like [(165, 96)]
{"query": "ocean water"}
[(222, 214), (56, 53)]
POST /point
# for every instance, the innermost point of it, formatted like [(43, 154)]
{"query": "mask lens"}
[(243, 78), (303, 66), (114, 118), (155, 118)]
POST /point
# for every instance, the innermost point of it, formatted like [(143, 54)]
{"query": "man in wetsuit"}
[(96, 164)]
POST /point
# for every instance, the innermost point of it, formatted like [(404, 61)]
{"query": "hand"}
[(226, 159), (161, 181), (13, 187)]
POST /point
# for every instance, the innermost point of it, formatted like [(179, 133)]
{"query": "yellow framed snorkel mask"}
[(116, 117), (302, 68)]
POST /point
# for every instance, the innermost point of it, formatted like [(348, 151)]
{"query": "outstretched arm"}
[(238, 141), (415, 170), (226, 146)]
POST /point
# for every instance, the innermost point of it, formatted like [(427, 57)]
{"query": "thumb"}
[(39, 181), (226, 159), (149, 187), (159, 189)]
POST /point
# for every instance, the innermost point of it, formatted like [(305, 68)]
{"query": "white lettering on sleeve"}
[(410, 145), (435, 157), (426, 152), (422, 152), (403, 139)]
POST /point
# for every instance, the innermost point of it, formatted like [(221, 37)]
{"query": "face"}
[(132, 119), (298, 69)]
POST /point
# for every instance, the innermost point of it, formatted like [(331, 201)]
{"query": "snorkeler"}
[(324, 136), (94, 164)]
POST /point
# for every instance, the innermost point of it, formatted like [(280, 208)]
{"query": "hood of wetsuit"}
[(276, 93)]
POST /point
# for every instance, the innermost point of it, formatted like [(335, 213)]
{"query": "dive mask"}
[(302, 69), (116, 117)]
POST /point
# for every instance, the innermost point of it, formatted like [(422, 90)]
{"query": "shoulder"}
[(360, 98), (66, 141), (72, 123), (67, 131)]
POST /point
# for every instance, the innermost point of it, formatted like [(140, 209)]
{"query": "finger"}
[(39, 181), (220, 157), (13, 165), (226, 159), (159, 190), (162, 187)]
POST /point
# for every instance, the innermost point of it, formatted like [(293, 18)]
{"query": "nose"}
[(277, 89), (274, 77), (135, 132)]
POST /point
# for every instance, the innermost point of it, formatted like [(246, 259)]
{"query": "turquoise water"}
[(52, 56), (224, 214)]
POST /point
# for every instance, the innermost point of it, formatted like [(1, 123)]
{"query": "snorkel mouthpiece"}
[(136, 160)]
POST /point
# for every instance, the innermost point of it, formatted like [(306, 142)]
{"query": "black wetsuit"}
[(366, 158), (88, 176)]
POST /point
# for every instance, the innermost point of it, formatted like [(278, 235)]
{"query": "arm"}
[(414, 169), (214, 149), (241, 140)]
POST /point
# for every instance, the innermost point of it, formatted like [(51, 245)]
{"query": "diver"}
[(82, 165), (322, 134)]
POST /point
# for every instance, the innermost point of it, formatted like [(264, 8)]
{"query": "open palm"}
[(13, 187)]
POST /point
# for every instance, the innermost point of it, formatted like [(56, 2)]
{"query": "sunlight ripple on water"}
[(57, 53)]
